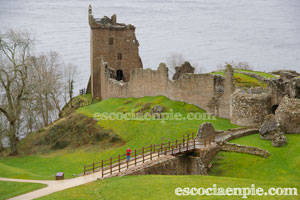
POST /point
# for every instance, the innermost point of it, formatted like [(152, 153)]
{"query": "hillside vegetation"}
[(74, 131), (85, 142)]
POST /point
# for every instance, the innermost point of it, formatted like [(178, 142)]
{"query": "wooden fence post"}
[(83, 169), (119, 162), (102, 168), (154, 148), (143, 156), (151, 152), (135, 156), (194, 143), (166, 150), (110, 165), (161, 145), (187, 143), (127, 161), (93, 167), (158, 152), (193, 135), (172, 149), (169, 145), (183, 140)]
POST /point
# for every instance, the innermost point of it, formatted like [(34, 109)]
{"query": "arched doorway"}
[(274, 108), (119, 75)]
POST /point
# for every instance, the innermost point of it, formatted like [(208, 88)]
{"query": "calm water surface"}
[(265, 33)]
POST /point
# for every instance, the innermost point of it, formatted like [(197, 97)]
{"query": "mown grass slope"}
[(10, 189), (283, 165), (133, 133), (263, 74), (244, 81), (161, 187)]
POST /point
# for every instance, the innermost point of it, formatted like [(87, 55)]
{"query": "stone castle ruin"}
[(117, 71)]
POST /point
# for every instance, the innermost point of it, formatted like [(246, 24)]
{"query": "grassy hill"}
[(263, 74), (162, 187), (243, 81), (44, 159), (283, 165), (280, 169)]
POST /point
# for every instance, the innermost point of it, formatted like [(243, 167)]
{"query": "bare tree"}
[(68, 79), (33, 89), (236, 65), (14, 53), (3, 130), (198, 69), (175, 59)]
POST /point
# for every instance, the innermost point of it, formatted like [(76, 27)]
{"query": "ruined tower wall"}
[(116, 44), (124, 44)]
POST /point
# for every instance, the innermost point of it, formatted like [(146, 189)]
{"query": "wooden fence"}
[(116, 164)]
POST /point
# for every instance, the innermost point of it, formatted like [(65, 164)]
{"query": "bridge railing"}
[(117, 163)]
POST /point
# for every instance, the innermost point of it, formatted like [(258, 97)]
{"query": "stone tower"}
[(116, 44)]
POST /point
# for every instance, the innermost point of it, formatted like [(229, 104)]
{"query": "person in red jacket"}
[(128, 153)]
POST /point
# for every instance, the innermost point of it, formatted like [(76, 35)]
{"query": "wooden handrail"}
[(147, 153)]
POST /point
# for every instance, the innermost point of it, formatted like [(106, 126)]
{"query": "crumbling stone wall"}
[(198, 89), (249, 109), (183, 69), (172, 165), (294, 88), (288, 115), (237, 148), (223, 102)]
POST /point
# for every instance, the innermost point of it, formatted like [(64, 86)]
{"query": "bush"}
[(74, 131)]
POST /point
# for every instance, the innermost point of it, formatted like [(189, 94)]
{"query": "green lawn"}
[(134, 133), (161, 187), (263, 74), (10, 189), (283, 165), (243, 81)]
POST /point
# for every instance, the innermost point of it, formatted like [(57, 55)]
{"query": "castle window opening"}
[(119, 75), (119, 56), (274, 108), (297, 93), (111, 41)]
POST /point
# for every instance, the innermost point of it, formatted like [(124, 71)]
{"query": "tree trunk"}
[(13, 139), (1, 144)]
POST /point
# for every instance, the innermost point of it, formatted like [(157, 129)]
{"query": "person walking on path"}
[(128, 153)]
